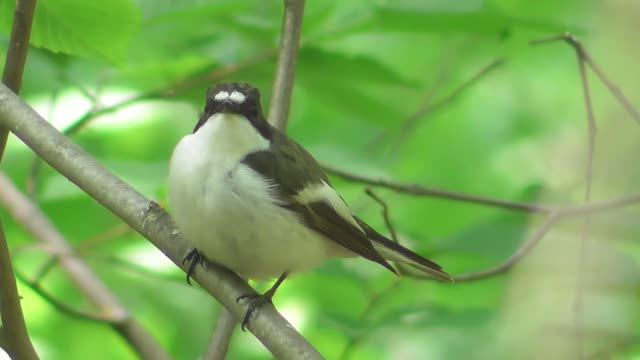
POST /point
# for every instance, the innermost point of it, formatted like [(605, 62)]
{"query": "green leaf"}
[(93, 29)]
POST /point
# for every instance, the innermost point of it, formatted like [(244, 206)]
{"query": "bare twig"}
[(584, 243), (36, 223), (62, 307), (219, 343), (517, 255), (418, 190), (283, 84), (149, 220), (385, 213), (14, 330), (613, 88)]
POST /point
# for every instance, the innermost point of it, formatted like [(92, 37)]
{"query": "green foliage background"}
[(519, 133)]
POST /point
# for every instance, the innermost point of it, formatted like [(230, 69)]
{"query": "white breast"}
[(228, 211)]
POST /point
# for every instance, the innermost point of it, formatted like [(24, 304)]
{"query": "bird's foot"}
[(193, 258), (256, 301)]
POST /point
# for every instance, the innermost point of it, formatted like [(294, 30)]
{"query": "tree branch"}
[(149, 220), (219, 343), (62, 307), (14, 330), (17, 54), (285, 74), (417, 190), (36, 223)]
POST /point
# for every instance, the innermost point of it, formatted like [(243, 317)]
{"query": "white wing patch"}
[(324, 192), (235, 96)]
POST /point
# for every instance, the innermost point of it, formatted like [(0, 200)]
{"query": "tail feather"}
[(391, 250)]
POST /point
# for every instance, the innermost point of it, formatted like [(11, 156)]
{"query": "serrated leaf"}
[(93, 29)]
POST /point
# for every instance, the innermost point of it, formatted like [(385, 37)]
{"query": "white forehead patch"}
[(235, 96), (222, 95)]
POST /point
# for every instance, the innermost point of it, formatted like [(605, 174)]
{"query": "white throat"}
[(230, 135)]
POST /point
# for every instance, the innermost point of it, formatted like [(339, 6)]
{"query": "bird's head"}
[(235, 98)]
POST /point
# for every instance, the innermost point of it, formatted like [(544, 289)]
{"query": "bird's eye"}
[(222, 95)]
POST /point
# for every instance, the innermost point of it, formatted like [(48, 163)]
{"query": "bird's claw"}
[(193, 257), (256, 301)]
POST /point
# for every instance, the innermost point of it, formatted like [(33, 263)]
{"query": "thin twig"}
[(36, 222), (523, 250), (149, 220), (219, 343), (283, 84), (584, 243), (14, 331), (62, 307), (418, 190), (613, 88), (385, 213)]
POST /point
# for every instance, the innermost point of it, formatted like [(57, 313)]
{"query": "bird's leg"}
[(257, 300), (193, 257)]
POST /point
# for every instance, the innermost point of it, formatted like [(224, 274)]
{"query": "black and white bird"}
[(248, 197)]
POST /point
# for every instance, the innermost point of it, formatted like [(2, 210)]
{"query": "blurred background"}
[(499, 118)]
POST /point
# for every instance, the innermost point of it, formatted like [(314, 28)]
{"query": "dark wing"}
[(293, 169)]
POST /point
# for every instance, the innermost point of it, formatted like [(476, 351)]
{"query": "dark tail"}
[(392, 251)]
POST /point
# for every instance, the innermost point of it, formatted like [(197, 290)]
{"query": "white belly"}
[(226, 211)]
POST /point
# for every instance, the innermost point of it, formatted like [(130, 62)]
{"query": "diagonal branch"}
[(37, 224), (285, 74), (149, 220)]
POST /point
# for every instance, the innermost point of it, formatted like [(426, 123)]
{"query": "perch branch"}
[(149, 220)]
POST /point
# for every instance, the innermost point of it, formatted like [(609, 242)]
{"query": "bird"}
[(248, 197)]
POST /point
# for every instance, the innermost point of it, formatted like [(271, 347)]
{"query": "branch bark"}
[(17, 54), (149, 220), (37, 224), (219, 343), (285, 74), (14, 330)]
